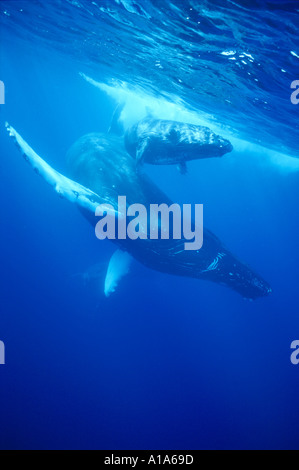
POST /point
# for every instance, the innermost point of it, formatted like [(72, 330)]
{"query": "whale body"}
[(99, 162), (164, 142), (100, 171)]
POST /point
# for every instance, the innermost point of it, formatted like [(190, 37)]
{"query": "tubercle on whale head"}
[(223, 146), (223, 150), (215, 149)]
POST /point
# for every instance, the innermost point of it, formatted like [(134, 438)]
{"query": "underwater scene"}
[(149, 225)]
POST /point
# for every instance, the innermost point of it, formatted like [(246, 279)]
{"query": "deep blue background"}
[(166, 362)]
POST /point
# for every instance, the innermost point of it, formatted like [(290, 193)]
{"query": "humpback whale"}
[(164, 142), (100, 170)]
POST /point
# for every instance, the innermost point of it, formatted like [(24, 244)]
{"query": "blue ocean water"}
[(166, 362)]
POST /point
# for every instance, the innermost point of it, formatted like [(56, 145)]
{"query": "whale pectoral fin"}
[(119, 266), (64, 187), (182, 167)]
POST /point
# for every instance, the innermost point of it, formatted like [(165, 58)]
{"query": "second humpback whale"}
[(101, 170), (165, 142)]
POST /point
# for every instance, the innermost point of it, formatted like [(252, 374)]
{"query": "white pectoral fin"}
[(65, 187), (119, 266)]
